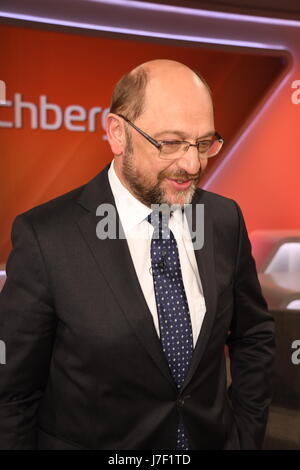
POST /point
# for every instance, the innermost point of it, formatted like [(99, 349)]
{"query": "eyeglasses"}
[(174, 149)]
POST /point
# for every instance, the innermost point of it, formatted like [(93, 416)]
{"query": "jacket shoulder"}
[(70, 205), (224, 212), (215, 200), (63, 206)]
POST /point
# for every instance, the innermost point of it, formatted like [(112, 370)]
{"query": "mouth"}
[(179, 184)]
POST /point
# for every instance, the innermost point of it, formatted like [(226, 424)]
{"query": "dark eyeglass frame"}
[(158, 144)]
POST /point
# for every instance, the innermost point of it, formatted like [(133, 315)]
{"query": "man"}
[(118, 342)]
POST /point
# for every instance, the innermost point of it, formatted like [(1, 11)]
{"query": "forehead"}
[(178, 104)]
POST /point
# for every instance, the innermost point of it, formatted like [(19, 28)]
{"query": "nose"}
[(190, 161)]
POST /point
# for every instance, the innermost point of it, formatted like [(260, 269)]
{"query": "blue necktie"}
[(174, 318)]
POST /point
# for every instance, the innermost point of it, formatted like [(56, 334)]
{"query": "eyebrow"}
[(182, 135)]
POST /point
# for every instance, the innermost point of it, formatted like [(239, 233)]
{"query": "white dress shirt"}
[(138, 232)]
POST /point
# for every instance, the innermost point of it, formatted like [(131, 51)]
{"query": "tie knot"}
[(160, 222)]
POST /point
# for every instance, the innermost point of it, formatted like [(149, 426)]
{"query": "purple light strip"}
[(137, 32), (198, 12)]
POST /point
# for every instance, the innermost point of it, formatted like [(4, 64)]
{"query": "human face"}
[(172, 184), (150, 192), (177, 107)]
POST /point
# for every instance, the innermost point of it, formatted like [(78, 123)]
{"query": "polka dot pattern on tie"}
[(174, 318)]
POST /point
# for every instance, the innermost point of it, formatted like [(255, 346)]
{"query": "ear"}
[(115, 134)]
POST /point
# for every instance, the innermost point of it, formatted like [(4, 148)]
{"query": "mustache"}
[(179, 175)]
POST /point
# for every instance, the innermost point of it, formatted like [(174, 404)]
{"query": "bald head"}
[(156, 77), (160, 68)]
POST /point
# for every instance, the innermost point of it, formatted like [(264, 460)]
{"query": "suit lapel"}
[(206, 266), (114, 261)]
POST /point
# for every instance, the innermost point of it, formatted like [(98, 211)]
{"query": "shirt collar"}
[(131, 211)]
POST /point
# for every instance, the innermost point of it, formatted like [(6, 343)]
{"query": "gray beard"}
[(151, 194)]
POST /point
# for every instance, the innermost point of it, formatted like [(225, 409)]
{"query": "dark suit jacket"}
[(85, 368)]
